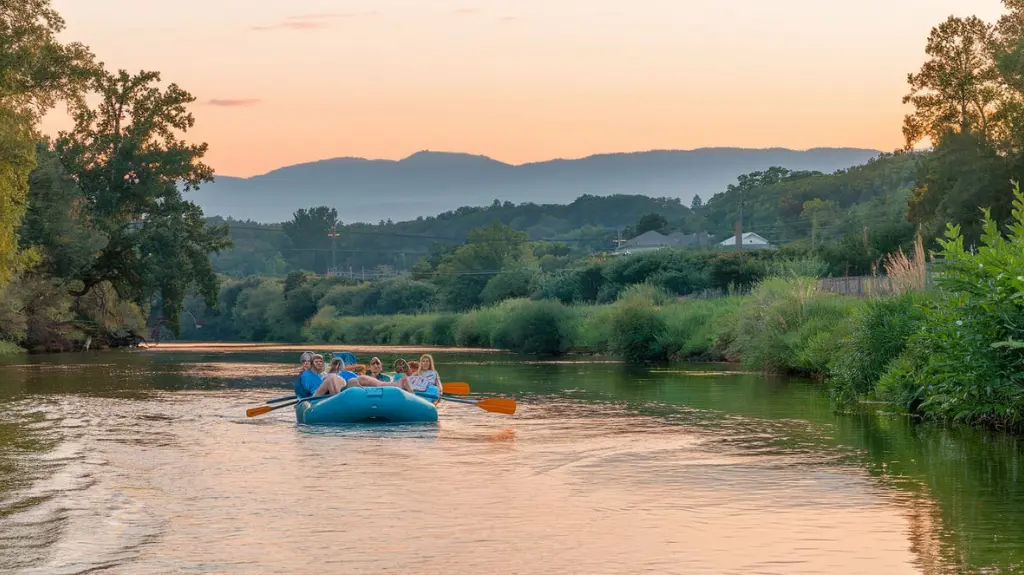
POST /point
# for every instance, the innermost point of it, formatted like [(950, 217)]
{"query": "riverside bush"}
[(638, 332), (878, 335), (536, 327), (774, 328), (966, 361)]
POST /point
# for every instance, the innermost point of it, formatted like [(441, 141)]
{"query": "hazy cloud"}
[(313, 21), (466, 11), (233, 102)]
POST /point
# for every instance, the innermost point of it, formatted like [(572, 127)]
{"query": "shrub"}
[(637, 332), (646, 292), (775, 326), (476, 328), (879, 331), (442, 329), (691, 326), (541, 327), (405, 296), (509, 284)]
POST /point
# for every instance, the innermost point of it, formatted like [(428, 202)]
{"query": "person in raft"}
[(424, 376), (309, 380), (339, 378), (401, 368), (318, 365), (375, 370)]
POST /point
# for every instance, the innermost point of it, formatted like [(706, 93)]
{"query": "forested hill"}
[(588, 224), (783, 206), (428, 183)]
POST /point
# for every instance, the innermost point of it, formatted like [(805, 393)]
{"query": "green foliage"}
[(463, 274), (509, 284), (16, 163), (36, 71), (692, 328), (309, 233), (878, 335), (965, 363), (807, 267), (406, 297), (788, 326), (647, 223), (637, 332), (536, 327), (649, 292), (128, 163), (8, 348)]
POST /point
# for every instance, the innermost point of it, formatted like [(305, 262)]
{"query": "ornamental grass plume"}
[(907, 274)]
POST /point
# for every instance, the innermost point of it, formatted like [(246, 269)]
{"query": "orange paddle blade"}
[(253, 412), (455, 387), (498, 405)]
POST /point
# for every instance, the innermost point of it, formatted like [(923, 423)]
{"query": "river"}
[(144, 462)]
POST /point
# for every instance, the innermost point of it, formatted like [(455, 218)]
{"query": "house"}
[(652, 240), (750, 241)]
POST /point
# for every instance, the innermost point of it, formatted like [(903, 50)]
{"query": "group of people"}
[(318, 379)]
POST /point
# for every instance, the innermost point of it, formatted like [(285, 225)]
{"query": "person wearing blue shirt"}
[(309, 380)]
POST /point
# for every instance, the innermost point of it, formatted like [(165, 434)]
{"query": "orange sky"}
[(520, 80)]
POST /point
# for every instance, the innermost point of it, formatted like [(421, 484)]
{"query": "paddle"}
[(494, 405), (452, 387), (254, 411)]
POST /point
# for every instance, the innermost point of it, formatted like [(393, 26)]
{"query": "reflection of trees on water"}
[(965, 501)]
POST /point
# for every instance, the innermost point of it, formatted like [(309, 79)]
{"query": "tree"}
[(822, 214), (957, 89), (58, 219), (35, 72), (128, 163), (309, 232), (696, 203), (647, 223), (961, 175), (488, 251)]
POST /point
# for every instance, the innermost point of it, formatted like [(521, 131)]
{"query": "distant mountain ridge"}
[(427, 183)]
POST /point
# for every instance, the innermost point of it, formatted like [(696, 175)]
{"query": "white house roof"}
[(749, 238)]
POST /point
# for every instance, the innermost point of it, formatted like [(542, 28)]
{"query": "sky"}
[(283, 82)]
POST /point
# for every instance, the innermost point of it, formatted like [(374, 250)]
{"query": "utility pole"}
[(334, 244), (739, 225), (867, 246)]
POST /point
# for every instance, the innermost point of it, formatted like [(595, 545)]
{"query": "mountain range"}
[(427, 183)]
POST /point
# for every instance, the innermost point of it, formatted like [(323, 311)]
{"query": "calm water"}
[(144, 462)]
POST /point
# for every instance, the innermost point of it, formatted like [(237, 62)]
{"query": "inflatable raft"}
[(368, 404)]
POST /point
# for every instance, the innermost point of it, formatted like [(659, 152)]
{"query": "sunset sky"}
[(282, 82)]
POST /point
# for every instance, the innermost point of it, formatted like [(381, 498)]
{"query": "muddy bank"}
[(243, 346)]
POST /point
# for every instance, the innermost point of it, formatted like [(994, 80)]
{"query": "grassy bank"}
[(784, 325)]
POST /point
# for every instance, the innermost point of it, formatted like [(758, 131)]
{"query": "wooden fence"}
[(858, 286)]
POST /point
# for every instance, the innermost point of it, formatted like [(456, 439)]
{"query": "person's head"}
[(401, 366), (414, 366), (318, 363), (427, 362), (306, 360), (337, 364), (375, 365)]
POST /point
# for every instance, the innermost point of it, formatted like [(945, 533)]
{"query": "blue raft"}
[(384, 404)]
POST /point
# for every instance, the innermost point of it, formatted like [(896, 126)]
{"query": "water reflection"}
[(145, 463)]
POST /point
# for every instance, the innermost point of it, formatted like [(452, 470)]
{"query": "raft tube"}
[(385, 404)]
